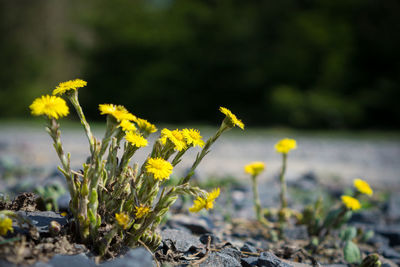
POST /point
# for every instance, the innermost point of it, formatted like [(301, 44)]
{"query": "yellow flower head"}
[(51, 106), (119, 112), (145, 126), (193, 137), (122, 219), (141, 211), (160, 168), (351, 202), (175, 136), (127, 126), (254, 168), (5, 225), (363, 187), (207, 203), (285, 145), (69, 85), (135, 139), (234, 121)]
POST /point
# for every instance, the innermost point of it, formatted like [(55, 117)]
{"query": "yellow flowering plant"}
[(284, 146), (112, 193), (255, 169)]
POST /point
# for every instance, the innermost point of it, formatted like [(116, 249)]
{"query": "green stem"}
[(75, 102), (283, 182), (256, 199)]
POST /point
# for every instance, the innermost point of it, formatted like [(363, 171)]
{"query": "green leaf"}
[(351, 252), (368, 235), (348, 233)]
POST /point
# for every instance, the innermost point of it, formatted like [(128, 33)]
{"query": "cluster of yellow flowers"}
[(205, 203), (353, 203), (5, 225)]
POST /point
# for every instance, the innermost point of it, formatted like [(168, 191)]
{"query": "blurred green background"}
[(302, 64)]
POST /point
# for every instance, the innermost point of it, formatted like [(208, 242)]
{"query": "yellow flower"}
[(69, 85), (193, 137), (207, 203), (145, 126), (127, 126), (363, 187), (119, 112), (285, 145), (52, 106), (141, 211), (5, 225), (175, 136), (254, 168), (122, 219), (232, 118), (160, 168), (135, 139), (351, 202)]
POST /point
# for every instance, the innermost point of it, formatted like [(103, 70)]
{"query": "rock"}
[(68, 261), (42, 219), (392, 232), (296, 232), (267, 259), (182, 240), (231, 251), (218, 259), (248, 248), (389, 253), (378, 240), (197, 225), (249, 261), (393, 207), (367, 217), (134, 258)]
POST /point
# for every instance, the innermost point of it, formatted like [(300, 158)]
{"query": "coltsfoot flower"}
[(5, 225), (205, 203), (127, 126), (232, 118), (363, 187), (135, 139), (141, 211), (145, 126), (193, 137), (175, 136), (51, 106), (255, 168), (122, 219), (69, 85), (285, 145), (160, 168), (351, 202), (119, 112)]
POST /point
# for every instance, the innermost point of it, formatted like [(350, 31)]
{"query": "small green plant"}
[(254, 169), (111, 197), (48, 195)]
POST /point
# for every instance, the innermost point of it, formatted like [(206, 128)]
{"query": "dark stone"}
[(296, 232), (249, 261), (378, 240), (367, 217), (268, 259), (233, 252), (134, 258), (197, 225), (393, 207), (42, 219), (389, 252), (70, 260), (248, 248), (214, 239), (182, 240), (217, 259), (392, 232)]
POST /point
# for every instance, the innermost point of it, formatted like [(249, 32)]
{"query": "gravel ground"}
[(343, 158)]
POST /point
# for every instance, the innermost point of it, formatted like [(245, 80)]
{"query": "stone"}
[(248, 248), (217, 259), (197, 225), (391, 232), (133, 258), (42, 219), (231, 251), (182, 240), (68, 261), (267, 259), (214, 239), (296, 232), (393, 207), (249, 261)]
